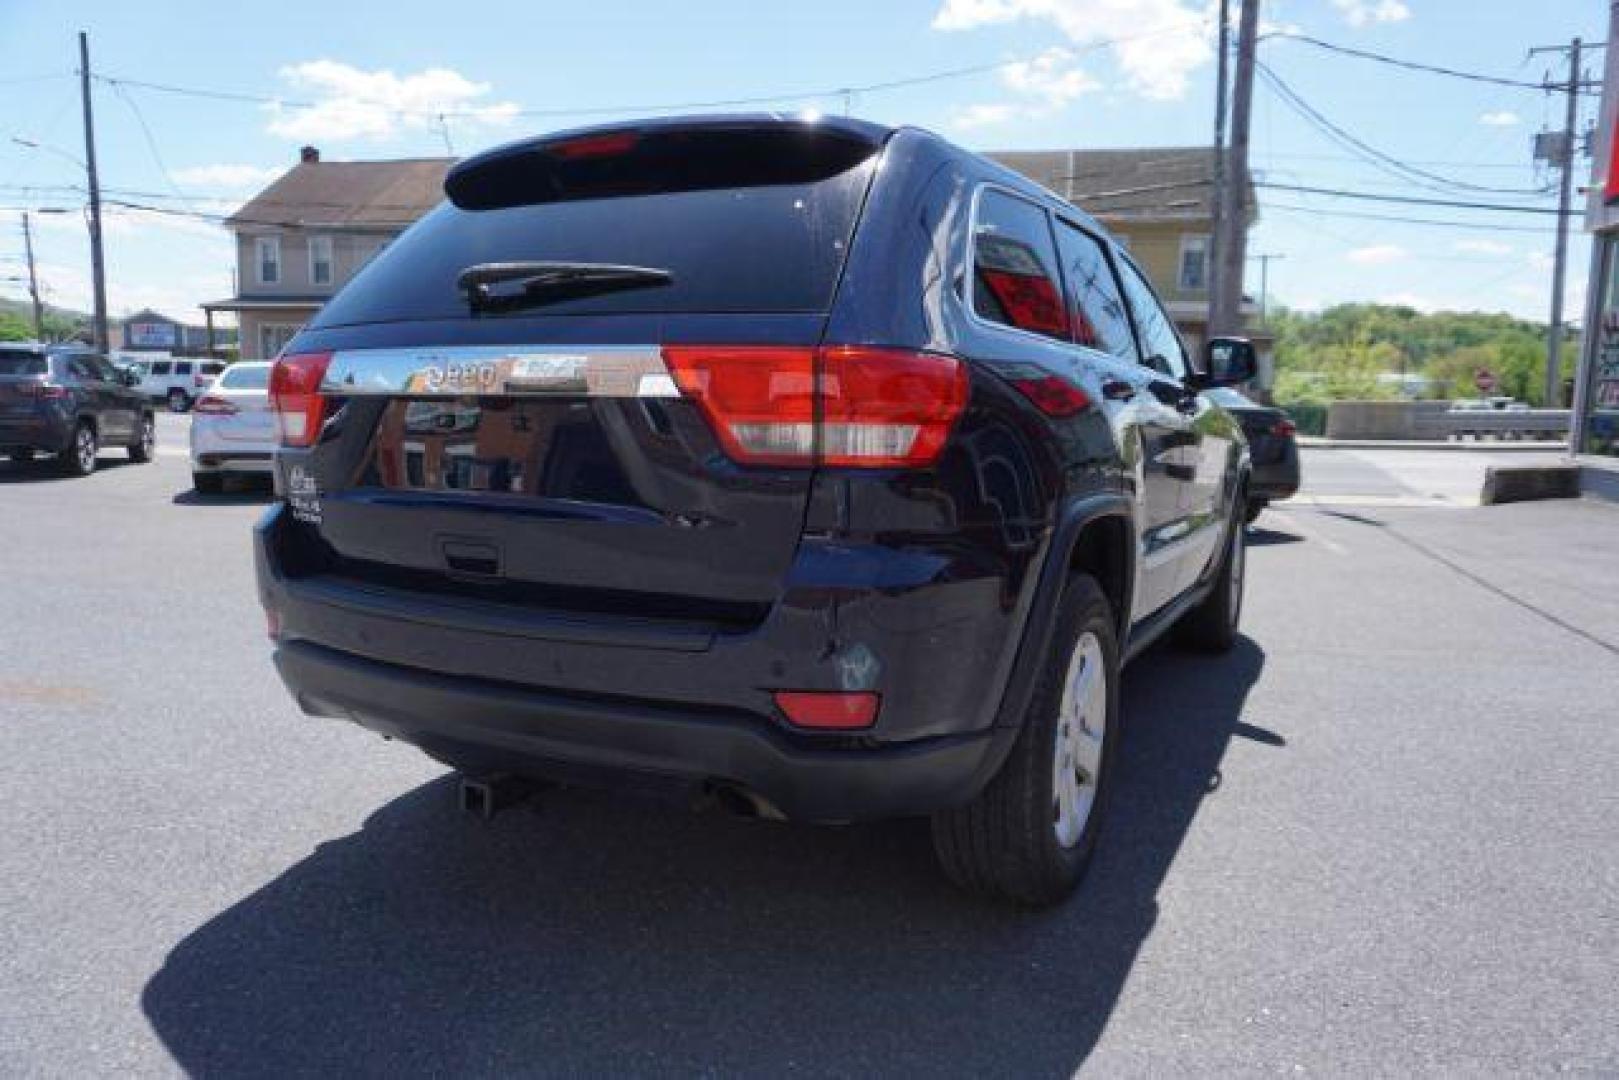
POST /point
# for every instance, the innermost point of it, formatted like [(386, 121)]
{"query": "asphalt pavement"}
[(1379, 837)]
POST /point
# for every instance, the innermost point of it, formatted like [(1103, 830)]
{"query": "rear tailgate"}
[(541, 453), (22, 372)]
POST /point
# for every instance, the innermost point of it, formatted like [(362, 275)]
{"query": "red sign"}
[(1484, 379)]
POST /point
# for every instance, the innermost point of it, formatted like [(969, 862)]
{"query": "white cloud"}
[(1156, 43), (1483, 247), (977, 116), (1045, 84), (1377, 255), (1367, 12), (377, 105), (229, 177), (1503, 118)]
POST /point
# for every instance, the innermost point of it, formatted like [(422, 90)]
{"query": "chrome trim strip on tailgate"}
[(449, 371)]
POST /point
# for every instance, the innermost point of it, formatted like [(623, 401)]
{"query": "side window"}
[(1015, 279), (104, 369), (82, 369), (1096, 308), (182, 368), (161, 367), (1159, 341)]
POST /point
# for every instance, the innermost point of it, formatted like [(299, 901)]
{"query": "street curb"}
[(1315, 443), (1525, 483)]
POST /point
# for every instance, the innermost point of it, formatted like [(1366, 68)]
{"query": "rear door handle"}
[(1118, 390)]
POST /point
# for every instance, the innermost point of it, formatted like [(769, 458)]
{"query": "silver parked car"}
[(232, 427)]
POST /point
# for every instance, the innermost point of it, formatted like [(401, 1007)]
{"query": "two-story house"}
[(300, 239), (1159, 203), (306, 234)]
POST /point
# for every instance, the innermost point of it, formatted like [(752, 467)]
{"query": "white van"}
[(176, 381)]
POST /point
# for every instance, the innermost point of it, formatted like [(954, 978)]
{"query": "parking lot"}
[(1381, 836)]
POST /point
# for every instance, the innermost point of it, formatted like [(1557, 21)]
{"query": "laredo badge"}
[(303, 495)]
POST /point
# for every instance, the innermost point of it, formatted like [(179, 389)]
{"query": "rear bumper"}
[(491, 727), (1276, 479), (48, 432), (506, 689), (213, 451)]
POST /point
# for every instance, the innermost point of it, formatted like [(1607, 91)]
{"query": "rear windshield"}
[(17, 362), (770, 248), (250, 377)]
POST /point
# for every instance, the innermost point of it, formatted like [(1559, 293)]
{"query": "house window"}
[(267, 258), (273, 337), (1194, 264), (320, 260)]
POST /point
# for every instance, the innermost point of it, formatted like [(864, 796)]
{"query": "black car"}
[(819, 470), (69, 401), (1273, 448)]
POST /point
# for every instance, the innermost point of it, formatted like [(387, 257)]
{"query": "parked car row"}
[(177, 382), (70, 401)]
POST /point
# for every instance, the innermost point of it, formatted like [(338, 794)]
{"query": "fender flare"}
[(1073, 518)]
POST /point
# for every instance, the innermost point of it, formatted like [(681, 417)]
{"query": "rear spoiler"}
[(657, 156)]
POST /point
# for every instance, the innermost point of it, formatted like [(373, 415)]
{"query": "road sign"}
[(1485, 380)]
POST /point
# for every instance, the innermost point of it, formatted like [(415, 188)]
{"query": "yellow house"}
[(1158, 203)]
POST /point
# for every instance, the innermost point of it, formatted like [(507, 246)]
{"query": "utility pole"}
[(33, 280), (1554, 333), (1219, 155), (1225, 309), (98, 265)]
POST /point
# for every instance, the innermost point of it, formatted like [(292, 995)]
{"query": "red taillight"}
[(1053, 395), (296, 398), (1284, 428), (595, 146), (843, 405), (828, 710), (213, 405)]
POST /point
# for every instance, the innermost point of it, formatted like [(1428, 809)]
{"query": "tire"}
[(1211, 627), (178, 400), (208, 483), (1017, 841), (145, 440), (79, 459)]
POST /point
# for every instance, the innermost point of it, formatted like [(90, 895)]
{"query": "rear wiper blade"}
[(541, 282)]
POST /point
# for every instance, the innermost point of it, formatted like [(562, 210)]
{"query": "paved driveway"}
[(1381, 836)]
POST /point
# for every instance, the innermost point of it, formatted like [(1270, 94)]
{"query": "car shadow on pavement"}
[(593, 935), (243, 496), (1264, 536)]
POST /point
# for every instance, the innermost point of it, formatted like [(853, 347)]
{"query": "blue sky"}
[(1082, 73)]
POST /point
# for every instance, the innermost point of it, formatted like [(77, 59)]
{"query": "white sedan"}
[(232, 428)]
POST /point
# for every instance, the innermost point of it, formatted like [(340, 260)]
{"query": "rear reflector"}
[(847, 406), (296, 398), (1053, 395), (214, 405), (828, 710), (1284, 428)]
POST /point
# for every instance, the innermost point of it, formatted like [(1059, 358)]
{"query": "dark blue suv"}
[(69, 401), (820, 470)]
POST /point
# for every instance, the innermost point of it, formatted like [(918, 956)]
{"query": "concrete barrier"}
[(1523, 483)]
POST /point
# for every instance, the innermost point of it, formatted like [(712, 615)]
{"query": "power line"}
[(1412, 65), (1409, 200), (1386, 162), (434, 112)]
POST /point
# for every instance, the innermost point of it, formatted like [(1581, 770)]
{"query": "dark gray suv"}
[(69, 401)]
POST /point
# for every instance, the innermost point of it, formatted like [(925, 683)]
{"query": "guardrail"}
[(1428, 421), (1538, 424)]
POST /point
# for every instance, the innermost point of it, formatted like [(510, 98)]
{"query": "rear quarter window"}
[(776, 247), (1015, 281), (17, 362)]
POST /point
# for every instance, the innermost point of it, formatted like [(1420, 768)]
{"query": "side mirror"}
[(1228, 361)]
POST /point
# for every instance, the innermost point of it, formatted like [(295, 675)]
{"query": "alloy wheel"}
[(1080, 730)]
